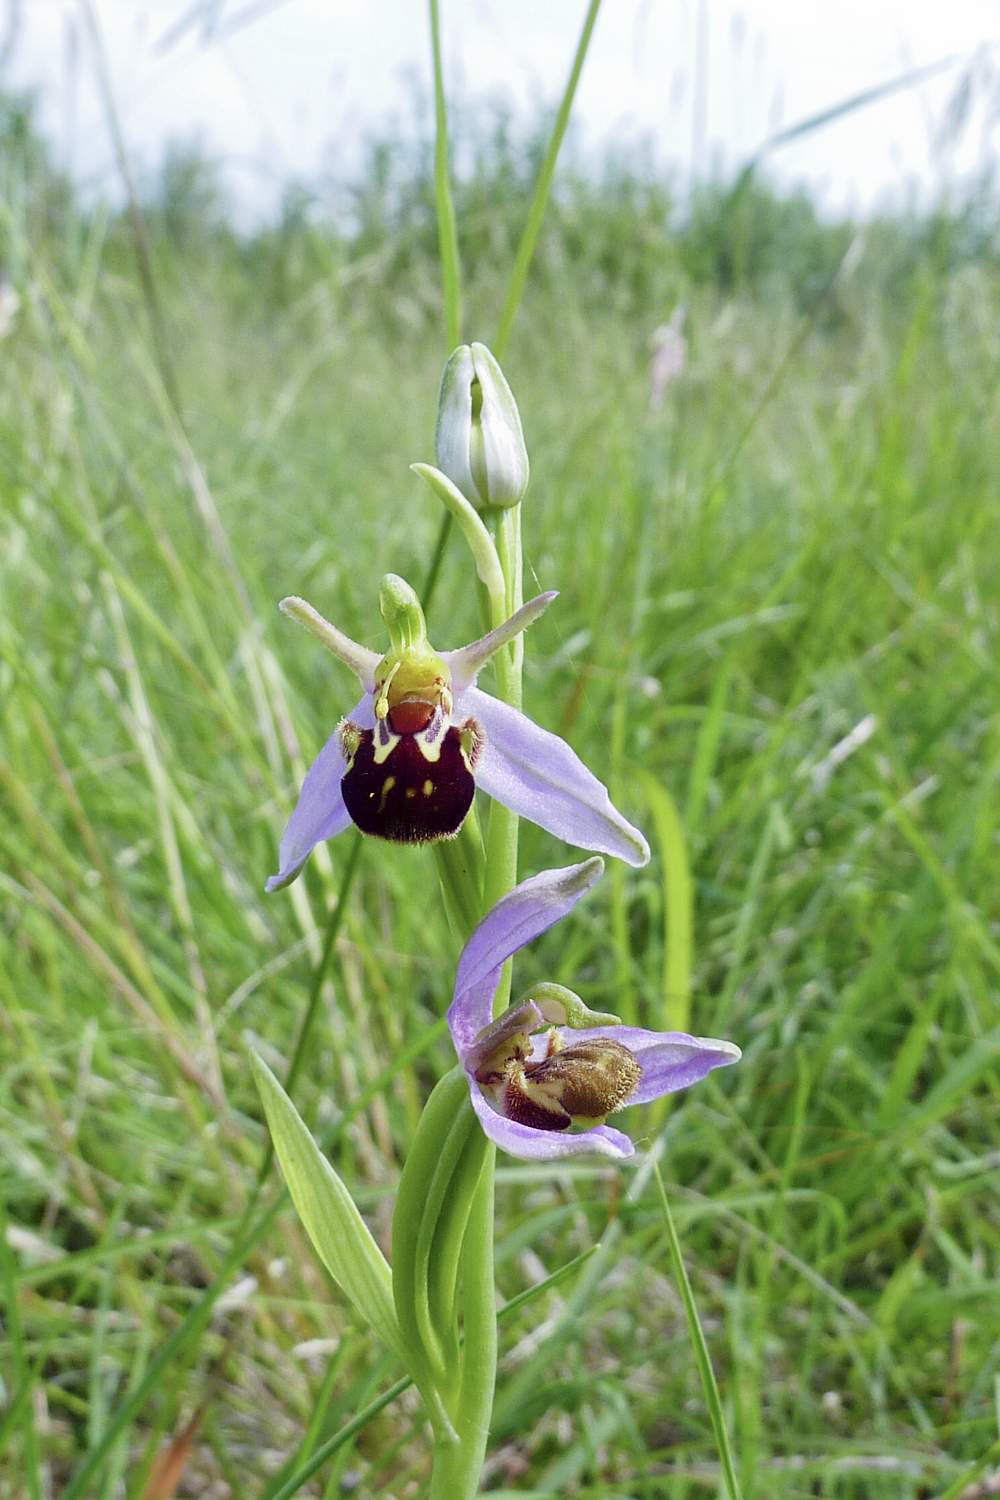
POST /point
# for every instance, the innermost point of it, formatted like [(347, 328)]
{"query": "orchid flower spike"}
[(545, 1075), (405, 763)]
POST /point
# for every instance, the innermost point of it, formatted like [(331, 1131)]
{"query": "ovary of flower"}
[(405, 762)]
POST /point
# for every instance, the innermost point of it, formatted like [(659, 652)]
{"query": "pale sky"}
[(284, 86)]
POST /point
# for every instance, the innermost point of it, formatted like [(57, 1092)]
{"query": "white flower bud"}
[(480, 444)]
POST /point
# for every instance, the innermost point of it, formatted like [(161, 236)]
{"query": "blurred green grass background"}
[(800, 541)]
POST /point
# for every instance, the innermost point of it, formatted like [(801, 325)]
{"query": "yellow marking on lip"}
[(428, 787), (411, 792), (431, 751), (387, 786), (380, 751)]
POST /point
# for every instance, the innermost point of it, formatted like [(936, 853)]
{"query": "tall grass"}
[(801, 542)]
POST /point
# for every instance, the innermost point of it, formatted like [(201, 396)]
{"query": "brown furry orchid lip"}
[(544, 1075)]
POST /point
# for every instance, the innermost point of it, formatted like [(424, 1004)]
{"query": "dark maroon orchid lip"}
[(404, 797)]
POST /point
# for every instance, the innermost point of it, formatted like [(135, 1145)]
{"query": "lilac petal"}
[(536, 774), (670, 1060), (320, 812), (468, 661), (529, 909), (545, 1145)]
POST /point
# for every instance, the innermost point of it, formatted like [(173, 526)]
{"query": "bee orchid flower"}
[(405, 762), (544, 1076)]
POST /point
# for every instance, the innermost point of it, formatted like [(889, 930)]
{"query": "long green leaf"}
[(341, 1237)]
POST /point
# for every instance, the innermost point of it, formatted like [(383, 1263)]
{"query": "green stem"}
[(512, 564), (461, 863), (501, 838), (458, 1456), (536, 212), (457, 1465), (502, 830), (285, 1489)]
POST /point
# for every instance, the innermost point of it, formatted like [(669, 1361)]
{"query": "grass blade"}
[(536, 213), (701, 1354), (678, 903), (451, 269)]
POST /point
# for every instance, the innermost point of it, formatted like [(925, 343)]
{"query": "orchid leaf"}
[(340, 1236)]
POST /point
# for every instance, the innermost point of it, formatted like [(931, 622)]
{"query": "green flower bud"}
[(480, 444)]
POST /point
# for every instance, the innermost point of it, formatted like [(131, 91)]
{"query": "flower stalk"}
[(450, 1253), (456, 1470), (468, 1260), (540, 1078), (502, 832)]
